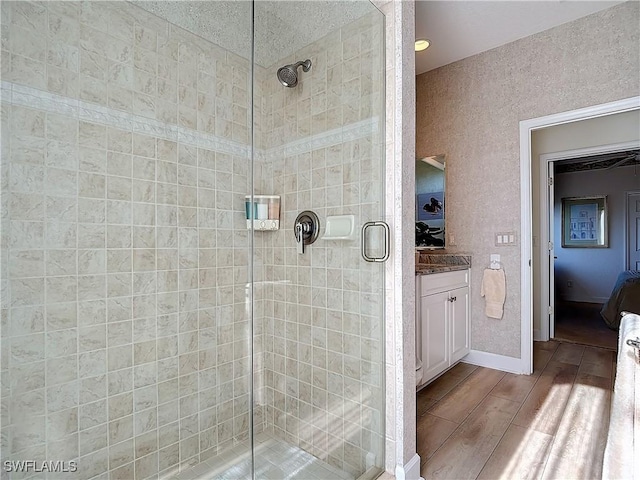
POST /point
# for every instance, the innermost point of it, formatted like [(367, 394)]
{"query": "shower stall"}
[(166, 312)]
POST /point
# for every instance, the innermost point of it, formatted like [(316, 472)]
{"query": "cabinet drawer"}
[(439, 282)]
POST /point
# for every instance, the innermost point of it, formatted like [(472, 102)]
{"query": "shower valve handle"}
[(306, 229), (301, 229)]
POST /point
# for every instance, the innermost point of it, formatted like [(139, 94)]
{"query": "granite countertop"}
[(428, 262), (435, 268)]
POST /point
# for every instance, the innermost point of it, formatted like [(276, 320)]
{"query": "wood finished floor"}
[(475, 422)]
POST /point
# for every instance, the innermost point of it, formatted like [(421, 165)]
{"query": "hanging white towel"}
[(493, 289)]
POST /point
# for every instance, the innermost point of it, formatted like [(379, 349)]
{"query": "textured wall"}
[(470, 111), (399, 214), (125, 262)]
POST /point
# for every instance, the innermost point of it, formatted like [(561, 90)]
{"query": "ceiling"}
[(460, 29), (606, 161)]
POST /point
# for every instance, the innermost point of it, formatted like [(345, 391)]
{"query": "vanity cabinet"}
[(442, 322)]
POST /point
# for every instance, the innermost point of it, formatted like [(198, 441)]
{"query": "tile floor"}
[(275, 460)]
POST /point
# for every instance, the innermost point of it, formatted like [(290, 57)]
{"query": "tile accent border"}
[(336, 136), (21, 95), (24, 96)]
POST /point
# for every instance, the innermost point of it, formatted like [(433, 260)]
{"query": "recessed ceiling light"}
[(422, 44)]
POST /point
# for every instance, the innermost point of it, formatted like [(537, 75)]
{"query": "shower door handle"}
[(387, 237)]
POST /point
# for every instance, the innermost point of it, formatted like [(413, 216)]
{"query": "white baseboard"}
[(410, 470), (537, 335), (583, 299), (492, 360)]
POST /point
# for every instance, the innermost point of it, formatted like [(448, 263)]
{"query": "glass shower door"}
[(149, 330), (318, 402), (125, 264)]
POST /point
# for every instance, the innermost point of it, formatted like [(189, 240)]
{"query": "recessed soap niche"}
[(340, 227), (263, 212)]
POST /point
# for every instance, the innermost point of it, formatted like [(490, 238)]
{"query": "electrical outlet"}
[(569, 284)]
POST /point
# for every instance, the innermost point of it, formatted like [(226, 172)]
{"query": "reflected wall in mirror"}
[(430, 208)]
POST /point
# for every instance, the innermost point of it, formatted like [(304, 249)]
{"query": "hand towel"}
[(493, 289), (622, 451)]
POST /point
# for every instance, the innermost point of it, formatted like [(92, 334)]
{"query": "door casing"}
[(526, 215), (627, 233)]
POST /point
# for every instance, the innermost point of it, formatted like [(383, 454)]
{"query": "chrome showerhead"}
[(288, 75)]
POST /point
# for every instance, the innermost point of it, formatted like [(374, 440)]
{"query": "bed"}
[(625, 297)]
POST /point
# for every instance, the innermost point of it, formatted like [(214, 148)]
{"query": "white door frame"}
[(526, 248), (546, 220), (548, 269), (627, 245)]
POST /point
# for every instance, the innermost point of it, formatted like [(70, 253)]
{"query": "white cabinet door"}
[(459, 318), (435, 335)]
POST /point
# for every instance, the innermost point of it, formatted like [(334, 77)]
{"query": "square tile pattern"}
[(274, 459), (125, 255)]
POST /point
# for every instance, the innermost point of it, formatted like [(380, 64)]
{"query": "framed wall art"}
[(584, 222)]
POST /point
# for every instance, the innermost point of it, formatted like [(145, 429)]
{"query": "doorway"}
[(580, 274), (531, 266)]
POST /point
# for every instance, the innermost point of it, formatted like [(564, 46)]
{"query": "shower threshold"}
[(275, 460)]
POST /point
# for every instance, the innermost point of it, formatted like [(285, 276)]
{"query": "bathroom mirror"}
[(430, 207)]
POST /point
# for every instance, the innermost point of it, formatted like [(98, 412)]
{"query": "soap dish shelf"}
[(340, 227)]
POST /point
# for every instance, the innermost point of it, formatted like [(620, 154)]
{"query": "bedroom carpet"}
[(478, 423), (581, 323)]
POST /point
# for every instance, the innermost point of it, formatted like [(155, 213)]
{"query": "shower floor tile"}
[(275, 460)]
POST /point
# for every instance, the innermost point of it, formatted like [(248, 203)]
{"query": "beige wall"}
[(470, 110), (594, 132)]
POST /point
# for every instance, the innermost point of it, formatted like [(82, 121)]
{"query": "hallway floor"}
[(476, 422), (580, 322)]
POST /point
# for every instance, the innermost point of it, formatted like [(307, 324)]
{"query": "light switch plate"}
[(505, 239)]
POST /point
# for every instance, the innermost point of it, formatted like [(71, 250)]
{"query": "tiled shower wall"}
[(125, 252), (125, 325), (323, 311)]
